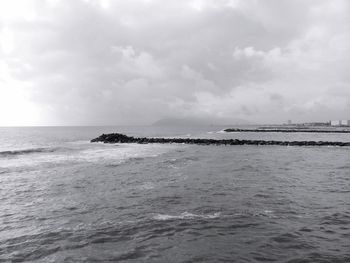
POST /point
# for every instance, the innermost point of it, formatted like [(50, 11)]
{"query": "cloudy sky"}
[(98, 62)]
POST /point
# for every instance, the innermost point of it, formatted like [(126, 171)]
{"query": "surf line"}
[(122, 138)]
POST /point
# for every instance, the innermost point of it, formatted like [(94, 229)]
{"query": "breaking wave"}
[(186, 215), (28, 151)]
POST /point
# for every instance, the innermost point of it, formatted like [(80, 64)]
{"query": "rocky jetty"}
[(121, 138), (286, 130)]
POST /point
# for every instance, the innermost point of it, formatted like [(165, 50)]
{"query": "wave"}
[(186, 215), (27, 151), (182, 160)]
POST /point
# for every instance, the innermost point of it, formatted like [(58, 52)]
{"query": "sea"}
[(64, 199)]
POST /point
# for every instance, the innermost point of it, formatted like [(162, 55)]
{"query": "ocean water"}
[(63, 199)]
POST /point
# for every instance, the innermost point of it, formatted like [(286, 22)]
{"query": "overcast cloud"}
[(93, 62)]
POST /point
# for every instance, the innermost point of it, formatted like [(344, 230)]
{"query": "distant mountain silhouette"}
[(200, 122)]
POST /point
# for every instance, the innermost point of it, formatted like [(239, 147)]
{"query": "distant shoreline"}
[(286, 130)]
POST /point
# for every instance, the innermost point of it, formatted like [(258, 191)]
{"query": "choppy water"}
[(63, 199)]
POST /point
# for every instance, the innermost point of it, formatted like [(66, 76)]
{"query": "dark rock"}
[(121, 138)]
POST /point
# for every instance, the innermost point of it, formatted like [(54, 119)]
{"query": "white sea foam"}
[(147, 186), (186, 215), (92, 153), (79, 142), (123, 152)]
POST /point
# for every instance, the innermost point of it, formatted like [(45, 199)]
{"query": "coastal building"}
[(340, 123), (335, 123), (345, 122)]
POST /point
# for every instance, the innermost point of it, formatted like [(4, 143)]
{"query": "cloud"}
[(131, 62)]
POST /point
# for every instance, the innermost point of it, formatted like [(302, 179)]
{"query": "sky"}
[(117, 62)]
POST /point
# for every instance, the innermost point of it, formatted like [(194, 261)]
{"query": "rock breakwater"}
[(122, 138)]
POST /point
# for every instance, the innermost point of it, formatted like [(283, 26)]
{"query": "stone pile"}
[(121, 138)]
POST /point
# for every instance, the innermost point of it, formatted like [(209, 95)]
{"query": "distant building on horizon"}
[(340, 123), (345, 122)]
